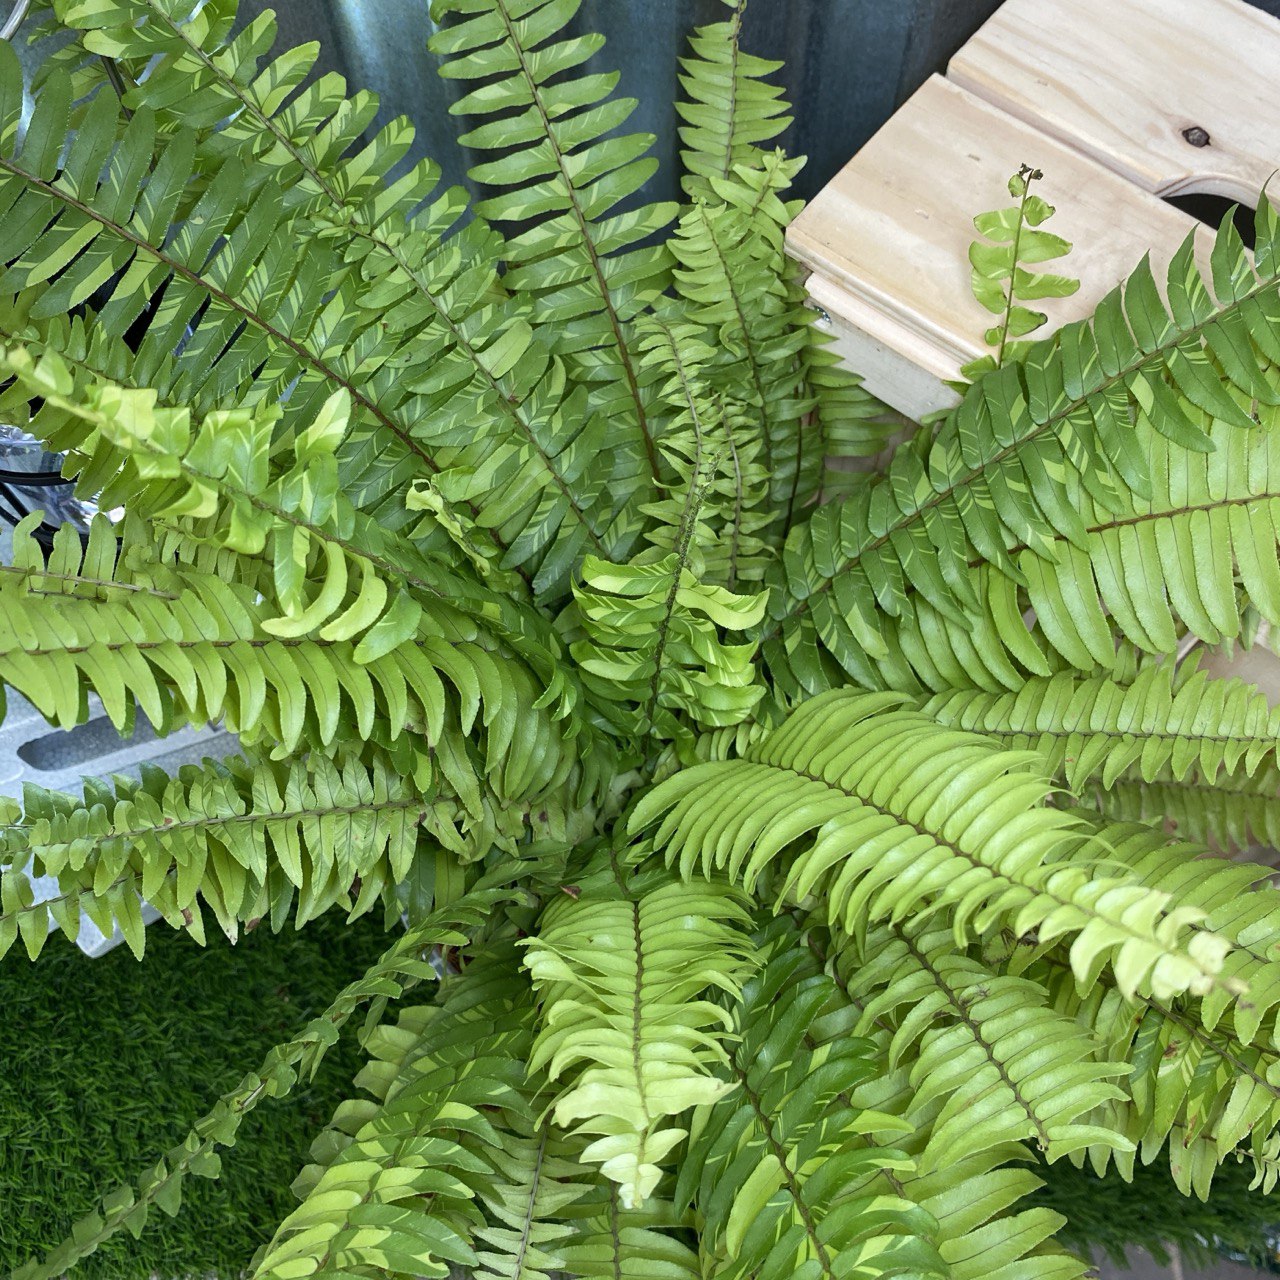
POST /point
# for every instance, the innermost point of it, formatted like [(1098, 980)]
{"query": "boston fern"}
[(775, 873)]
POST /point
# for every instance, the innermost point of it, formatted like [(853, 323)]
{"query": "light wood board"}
[(1135, 83), (888, 238)]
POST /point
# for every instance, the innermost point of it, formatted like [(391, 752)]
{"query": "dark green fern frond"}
[(581, 263), (781, 1172), (731, 107), (1000, 482)]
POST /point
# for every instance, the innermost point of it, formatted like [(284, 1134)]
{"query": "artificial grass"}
[(105, 1063)]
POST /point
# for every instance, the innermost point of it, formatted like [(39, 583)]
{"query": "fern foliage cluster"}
[(790, 854)]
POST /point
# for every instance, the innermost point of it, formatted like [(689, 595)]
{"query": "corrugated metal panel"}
[(849, 63)]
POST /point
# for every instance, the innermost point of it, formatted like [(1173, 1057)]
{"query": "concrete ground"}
[(1142, 1266)]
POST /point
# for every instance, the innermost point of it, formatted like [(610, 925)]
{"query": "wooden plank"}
[(888, 238), (1177, 95)]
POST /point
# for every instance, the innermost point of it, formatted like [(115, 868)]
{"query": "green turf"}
[(104, 1063)]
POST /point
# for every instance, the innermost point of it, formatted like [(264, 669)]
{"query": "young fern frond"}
[(1001, 283), (780, 1170), (884, 814), (996, 484), (731, 107), (651, 651), (1158, 725), (621, 983)]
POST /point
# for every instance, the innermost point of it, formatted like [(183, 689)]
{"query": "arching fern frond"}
[(1006, 1067), (778, 1170), (974, 1201), (626, 1029), (399, 1178), (241, 837), (201, 655), (1098, 728), (1200, 1092), (998, 484), (400, 968), (875, 812), (731, 107)]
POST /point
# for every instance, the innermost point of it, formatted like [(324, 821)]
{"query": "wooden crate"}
[(1117, 102)]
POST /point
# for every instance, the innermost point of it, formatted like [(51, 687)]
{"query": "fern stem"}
[(77, 579)]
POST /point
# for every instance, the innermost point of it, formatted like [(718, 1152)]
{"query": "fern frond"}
[(1006, 1067), (398, 1180), (898, 816), (779, 1169), (566, 169), (242, 836), (1159, 725), (1200, 1092), (650, 646), (730, 109), (1235, 905), (1001, 283), (731, 269), (611, 1241), (621, 985), (979, 1230), (400, 968), (1000, 483), (1223, 813)]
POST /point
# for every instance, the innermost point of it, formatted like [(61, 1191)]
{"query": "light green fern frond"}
[(873, 812), (242, 837), (625, 1019), (1004, 1065)]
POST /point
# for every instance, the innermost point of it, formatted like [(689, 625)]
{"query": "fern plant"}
[(782, 877)]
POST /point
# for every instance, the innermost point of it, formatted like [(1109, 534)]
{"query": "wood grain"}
[(888, 238), (1137, 83)]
